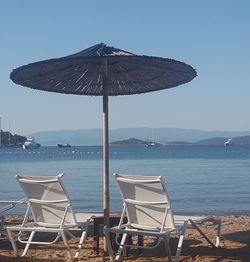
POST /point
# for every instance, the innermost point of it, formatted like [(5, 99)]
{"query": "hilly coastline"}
[(241, 140), (165, 136)]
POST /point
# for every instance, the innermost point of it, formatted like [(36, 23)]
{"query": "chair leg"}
[(217, 241), (110, 250), (28, 243), (203, 234), (65, 241), (121, 247), (180, 242), (1, 224), (13, 242), (167, 247), (69, 234), (179, 247), (82, 239)]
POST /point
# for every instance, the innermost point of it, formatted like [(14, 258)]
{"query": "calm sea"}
[(199, 179)]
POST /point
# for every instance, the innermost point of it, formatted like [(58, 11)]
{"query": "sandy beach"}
[(234, 246)]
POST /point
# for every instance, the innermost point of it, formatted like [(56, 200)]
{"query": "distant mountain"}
[(131, 141), (73, 137), (212, 141), (239, 140), (179, 143), (161, 135)]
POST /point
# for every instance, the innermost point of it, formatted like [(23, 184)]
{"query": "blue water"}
[(200, 179)]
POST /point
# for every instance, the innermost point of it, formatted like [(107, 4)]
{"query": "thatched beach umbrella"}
[(104, 71)]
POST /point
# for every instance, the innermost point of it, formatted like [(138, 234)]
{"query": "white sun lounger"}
[(51, 211), (147, 208), (5, 206)]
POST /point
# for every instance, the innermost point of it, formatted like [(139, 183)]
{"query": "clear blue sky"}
[(213, 36)]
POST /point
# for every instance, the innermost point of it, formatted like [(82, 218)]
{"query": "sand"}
[(234, 246)]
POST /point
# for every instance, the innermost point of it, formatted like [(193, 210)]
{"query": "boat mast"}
[(9, 134), (0, 131), (152, 135)]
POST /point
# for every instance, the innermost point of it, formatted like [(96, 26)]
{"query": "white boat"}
[(30, 143), (151, 144), (229, 142)]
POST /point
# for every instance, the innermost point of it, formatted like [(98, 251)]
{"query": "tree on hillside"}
[(8, 139)]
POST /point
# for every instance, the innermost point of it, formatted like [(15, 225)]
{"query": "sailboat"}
[(152, 143)]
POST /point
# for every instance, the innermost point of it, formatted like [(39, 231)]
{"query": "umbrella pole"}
[(106, 208)]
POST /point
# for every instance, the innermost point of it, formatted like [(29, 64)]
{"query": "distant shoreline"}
[(163, 136)]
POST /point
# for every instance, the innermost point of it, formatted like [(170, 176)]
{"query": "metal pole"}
[(106, 208)]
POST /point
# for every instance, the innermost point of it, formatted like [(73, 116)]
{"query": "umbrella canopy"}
[(104, 71), (82, 73)]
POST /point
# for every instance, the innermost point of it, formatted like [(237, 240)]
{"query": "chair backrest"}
[(48, 200), (146, 202)]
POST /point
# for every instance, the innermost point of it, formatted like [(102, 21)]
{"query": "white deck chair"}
[(5, 206), (51, 211), (147, 208)]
